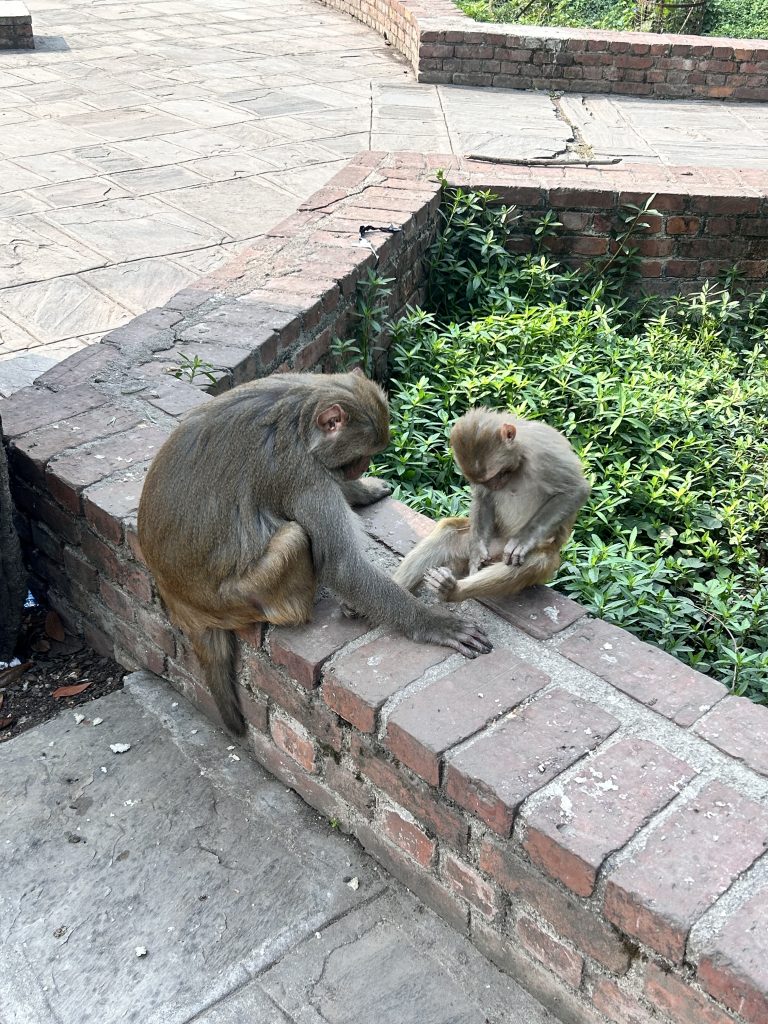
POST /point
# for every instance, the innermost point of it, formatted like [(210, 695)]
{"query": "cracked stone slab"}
[(173, 846), (392, 960)]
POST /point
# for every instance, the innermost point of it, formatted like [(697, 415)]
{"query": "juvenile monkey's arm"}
[(557, 509), (482, 519)]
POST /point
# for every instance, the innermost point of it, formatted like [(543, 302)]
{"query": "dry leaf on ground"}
[(69, 691)]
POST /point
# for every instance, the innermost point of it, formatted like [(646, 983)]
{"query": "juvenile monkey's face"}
[(485, 451), (352, 430)]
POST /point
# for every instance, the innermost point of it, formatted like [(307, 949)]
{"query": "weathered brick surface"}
[(739, 728), (539, 611), (421, 801), (449, 710), (734, 968), (303, 650), (408, 836), (91, 562), (554, 954), (644, 672), (582, 927), (468, 883), (679, 1001), (571, 834), (359, 683), (687, 862), (494, 774)]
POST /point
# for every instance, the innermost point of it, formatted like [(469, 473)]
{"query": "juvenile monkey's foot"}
[(441, 581)]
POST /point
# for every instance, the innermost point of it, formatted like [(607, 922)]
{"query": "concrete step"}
[(243, 898)]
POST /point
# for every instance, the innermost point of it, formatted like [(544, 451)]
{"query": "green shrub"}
[(746, 19), (667, 405)]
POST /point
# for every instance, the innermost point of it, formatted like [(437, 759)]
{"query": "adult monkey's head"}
[(350, 424)]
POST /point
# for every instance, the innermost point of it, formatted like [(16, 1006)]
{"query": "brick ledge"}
[(567, 818), (446, 46)]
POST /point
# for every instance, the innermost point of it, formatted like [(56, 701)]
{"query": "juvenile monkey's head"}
[(485, 448), (351, 424)]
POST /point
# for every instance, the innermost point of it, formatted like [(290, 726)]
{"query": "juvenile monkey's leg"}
[(497, 580), (448, 545), (280, 588)]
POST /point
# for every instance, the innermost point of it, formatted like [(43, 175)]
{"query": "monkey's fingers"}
[(441, 580)]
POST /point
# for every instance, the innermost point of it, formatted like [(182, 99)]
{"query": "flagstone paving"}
[(143, 142)]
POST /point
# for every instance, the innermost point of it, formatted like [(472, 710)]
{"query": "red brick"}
[(32, 408), (116, 601), (409, 837), (158, 629), (567, 917), (359, 683), (649, 675), (80, 570), (303, 650), (286, 769), (618, 1006), (412, 875), (255, 710), (494, 774), (253, 634), (412, 794), (576, 198), (102, 556), (688, 860), (739, 728), (37, 447), (553, 954), (469, 884), (293, 740), (451, 709), (680, 1002), (137, 582), (71, 472), (302, 706), (683, 225), (349, 786), (538, 611), (395, 525), (571, 834), (734, 967), (108, 504)]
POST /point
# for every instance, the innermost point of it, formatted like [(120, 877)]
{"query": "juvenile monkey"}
[(247, 505), (527, 487)]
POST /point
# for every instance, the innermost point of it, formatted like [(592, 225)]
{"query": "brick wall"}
[(446, 46), (588, 810), (15, 26)]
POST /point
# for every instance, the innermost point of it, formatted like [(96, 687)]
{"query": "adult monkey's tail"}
[(217, 649)]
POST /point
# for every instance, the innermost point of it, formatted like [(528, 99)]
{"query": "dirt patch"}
[(50, 660)]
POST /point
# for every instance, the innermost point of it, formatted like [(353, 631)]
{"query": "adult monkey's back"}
[(246, 508)]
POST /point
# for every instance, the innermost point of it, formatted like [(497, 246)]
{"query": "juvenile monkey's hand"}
[(376, 488), (516, 549), (478, 556), (441, 581)]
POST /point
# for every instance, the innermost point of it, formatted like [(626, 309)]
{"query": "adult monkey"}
[(247, 505)]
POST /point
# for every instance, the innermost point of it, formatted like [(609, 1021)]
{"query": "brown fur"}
[(246, 507), (527, 487)]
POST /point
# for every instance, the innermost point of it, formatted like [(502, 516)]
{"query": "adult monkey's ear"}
[(332, 420), (507, 432)]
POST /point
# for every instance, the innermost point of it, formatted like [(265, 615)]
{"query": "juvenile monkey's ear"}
[(332, 419), (507, 432), (357, 372)]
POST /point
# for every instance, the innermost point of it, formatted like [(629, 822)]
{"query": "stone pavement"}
[(146, 140), (249, 907)]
